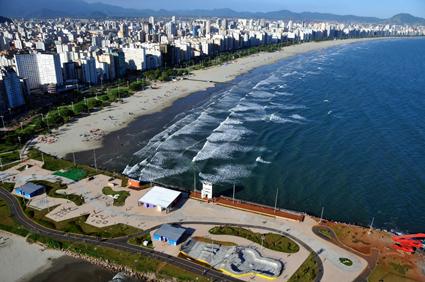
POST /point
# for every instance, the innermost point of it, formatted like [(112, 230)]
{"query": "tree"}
[(80, 107)]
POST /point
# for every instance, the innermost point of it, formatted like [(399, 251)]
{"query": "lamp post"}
[(87, 104), (234, 188), (2, 120), (47, 122), (371, 225), (262, 241), (275, 201), (95, 162)]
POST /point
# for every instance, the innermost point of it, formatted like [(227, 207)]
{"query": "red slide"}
[(409, 243)]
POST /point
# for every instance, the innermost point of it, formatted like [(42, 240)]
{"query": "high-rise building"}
[(208, 27), (123, 33), (110, 68), (39, 69), (69, 71), (12, 88), (27, 67), (39, 45), (88, 68), (135, 58), (171, 29), (224, 24), (119, 63), (49, 69), (152, 21)]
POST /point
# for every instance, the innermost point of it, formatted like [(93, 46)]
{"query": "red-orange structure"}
[(409, 243), (132, 183)]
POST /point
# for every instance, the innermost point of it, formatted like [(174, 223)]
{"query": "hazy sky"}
[(378, 8)]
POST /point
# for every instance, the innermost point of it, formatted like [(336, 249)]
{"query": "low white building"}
[(160, 198)]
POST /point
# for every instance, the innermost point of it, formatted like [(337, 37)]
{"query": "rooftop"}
[(170, 232), (160, 196), (30, 187)]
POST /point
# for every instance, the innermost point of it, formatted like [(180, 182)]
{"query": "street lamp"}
[(2, 120), (262, 241), (87, 105), (47, 122), (275, 201)]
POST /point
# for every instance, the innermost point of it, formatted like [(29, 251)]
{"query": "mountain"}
[(80, 8), (5, 20), (406, 19)]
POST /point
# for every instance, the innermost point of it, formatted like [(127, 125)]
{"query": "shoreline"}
[(28, 262), (87, 133), (22, 259)]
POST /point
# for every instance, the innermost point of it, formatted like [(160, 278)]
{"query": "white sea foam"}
[(212, 150), (278, 119), (274, 105), (131, 170), (261, 94), (227, 173), (313, 72), (244, 106), (290, 74), (152, 172), (297, 117), (282, 93), (271, 79), (260, 160)]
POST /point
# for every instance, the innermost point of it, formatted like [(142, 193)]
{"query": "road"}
[(22, 219), (121, 243)]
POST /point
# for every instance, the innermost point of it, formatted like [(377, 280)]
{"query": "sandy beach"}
[(20, 260), (86, 133)]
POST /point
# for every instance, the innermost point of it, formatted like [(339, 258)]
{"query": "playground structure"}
[(236, 261), (409, 243)]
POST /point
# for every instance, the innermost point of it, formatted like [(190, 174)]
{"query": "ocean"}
[(341, 128)]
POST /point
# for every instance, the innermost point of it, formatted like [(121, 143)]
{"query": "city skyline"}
[(358, 8)]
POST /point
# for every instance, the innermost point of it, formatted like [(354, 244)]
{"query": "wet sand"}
[(68, 269)]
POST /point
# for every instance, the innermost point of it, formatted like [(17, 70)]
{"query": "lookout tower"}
[(207, 190)]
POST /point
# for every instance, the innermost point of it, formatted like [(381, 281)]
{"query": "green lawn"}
[(325, 232), (79, 226), (346, 261), (138, 241), (8, 186), (209, 241), (7, 222), (392, 272), (75, 174), (54, 164), (8, 157), (307, 271), (51, 189), (122, 195), (271, 241)]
